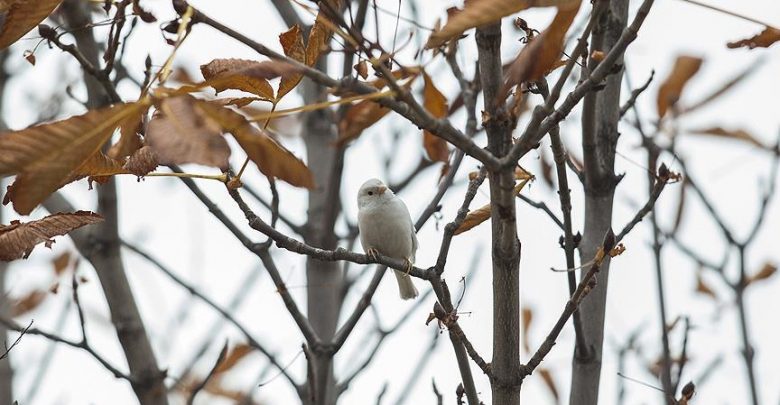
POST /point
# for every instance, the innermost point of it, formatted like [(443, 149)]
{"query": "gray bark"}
[(324, 279), (601, 113), (100, 244), (505, 251), (6, 372)]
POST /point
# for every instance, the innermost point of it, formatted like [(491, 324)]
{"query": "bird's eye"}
[(370, 193)]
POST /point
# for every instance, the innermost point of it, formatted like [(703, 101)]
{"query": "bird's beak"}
[(381, 189)]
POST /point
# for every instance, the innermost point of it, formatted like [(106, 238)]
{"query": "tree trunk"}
[(6, 372), (101, 246), (601, 113), (324, 279), (505, 364)]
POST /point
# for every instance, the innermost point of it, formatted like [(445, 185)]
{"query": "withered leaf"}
[(61, 263), (17, 17), (549, 382), (482, 12), (18, 239), (273, 159), (97, 166), (671, 89), (703, 288), (319, 37), (233, 357), (474, 218), (767, 271), (482, 214), (142, 162), (45, 156), (527, 318), (145, 15), (737, 134), (292, 43), (180, 133), (436, 104), (129, 140), (358, 118), (362, 69), (543, 52), (245, 75), (766, 38), (28, 303)]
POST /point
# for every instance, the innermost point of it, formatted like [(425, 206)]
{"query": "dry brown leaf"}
[(362, 69), (766, 272), (233, 357), (61, 263), (527, 317), (436, 104), (17, 17), (671, 89), (98, 167), (678, 216), (28, 303), (481, 12), (549, 382), (405, 72), (319, 37), (474, 218), (358, 118), (245, 75), (273, 159), (766, 38), (18, 239), (738, 134), (142, 162), (547, 170), (482, 214), (703, 288), (543, 52), (181, 133), (45, 156), (129, 139), (292, 43)]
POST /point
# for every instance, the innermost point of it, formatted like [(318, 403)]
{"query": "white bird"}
[(386, 227)]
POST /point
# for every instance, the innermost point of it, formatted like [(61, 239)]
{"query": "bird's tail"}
[(405, 285)]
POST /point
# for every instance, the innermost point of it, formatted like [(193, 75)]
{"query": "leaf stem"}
[(219, 177)]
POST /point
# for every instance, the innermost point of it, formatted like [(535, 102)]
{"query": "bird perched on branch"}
[(386, 228)]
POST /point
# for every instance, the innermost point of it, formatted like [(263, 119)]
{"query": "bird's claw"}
[(408, 266), (372, 254)]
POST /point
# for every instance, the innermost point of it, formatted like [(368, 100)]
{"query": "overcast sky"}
[(163, 217)]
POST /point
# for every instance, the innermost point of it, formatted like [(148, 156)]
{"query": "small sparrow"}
[(386, 228)]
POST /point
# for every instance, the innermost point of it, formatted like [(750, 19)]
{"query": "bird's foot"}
[(408, 266), (372, 254)]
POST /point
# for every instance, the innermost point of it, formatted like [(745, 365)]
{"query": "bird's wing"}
[(414, 241)]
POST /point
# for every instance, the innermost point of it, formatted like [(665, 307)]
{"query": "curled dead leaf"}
[(737, 134), (17, 17), (18, 239), (543, 52), (358, 118), (273, 159), (482, 12), (44, 157), (28, 303), (766, 38), (685, 67), (436, 104), (767, 271), (245, 75), (143, 162), (181, 133), (292, 43)]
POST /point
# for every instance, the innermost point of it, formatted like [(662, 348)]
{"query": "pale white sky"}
[(164, 218)]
